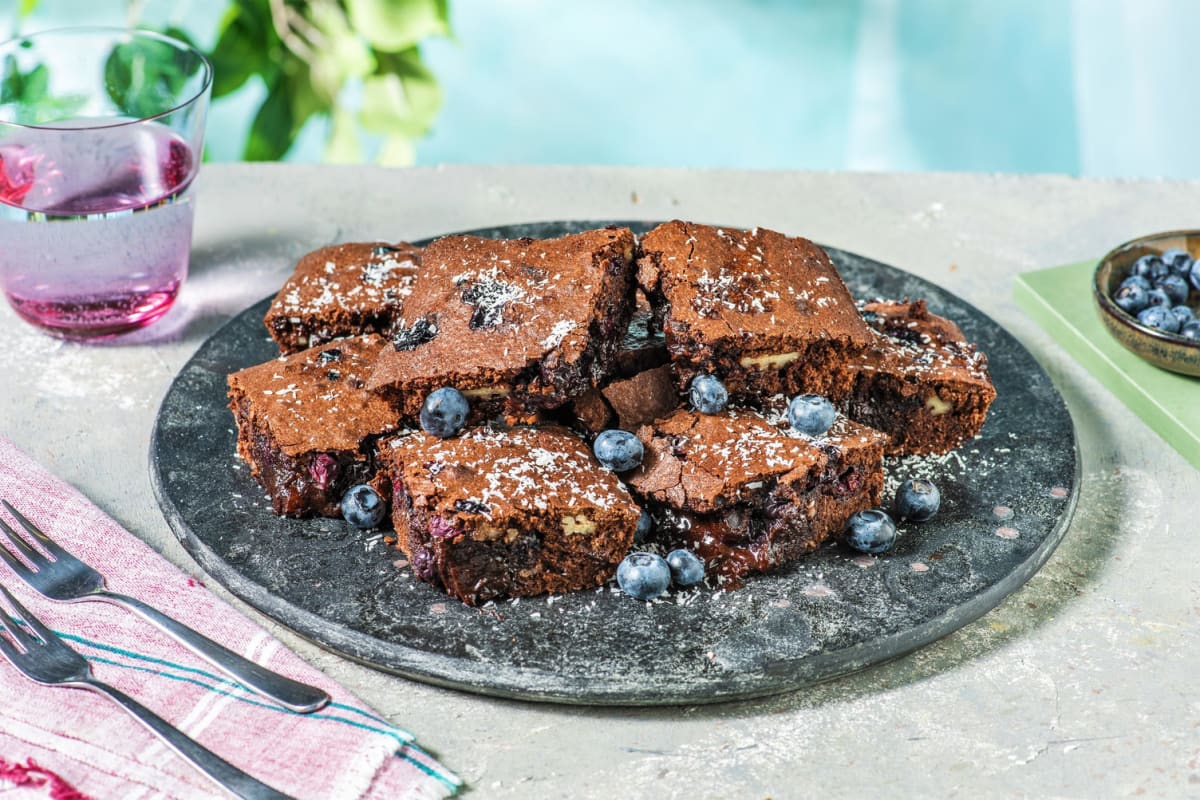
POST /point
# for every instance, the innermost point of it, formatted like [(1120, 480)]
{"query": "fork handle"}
[(208, 762), (288, 693)]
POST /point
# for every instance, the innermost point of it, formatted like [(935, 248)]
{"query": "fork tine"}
[(21, 546), (45, 541), (14, 630), (13, 562)]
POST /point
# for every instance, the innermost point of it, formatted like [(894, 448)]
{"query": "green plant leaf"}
[(393, 25), (143, 77), (403, 98), (343, 146), (273, 128), (26, 8), (396, 151), (238, 54)]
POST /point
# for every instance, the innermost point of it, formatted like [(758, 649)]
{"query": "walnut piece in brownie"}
[(343, 290), (747, 492), (924, 385), (307, 425), (510, 512), (523, 324), (764, 312)]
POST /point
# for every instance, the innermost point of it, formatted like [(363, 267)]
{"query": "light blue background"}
[(1089, 87)]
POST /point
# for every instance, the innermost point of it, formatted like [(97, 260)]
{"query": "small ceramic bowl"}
[(1166, 350)]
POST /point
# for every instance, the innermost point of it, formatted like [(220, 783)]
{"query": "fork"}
[(65, 578), (48, 660)]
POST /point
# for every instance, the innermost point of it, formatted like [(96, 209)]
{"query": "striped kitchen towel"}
[(54, 741)]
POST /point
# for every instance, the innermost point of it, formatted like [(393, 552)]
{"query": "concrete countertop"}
[(1079, 685)]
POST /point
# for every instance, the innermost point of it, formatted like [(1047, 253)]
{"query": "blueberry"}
[(1137, 280), (1194, 277), (708, 395), (1160, 318), (1178, 261), (1157, 297), (644, 526), (617, 450), (870, 531), (1191, 330), (1149, 267), (811, 414), (1132, 298), (917, 500), (1184, 314), (1174, 287), (444, 412), (643, 576), (686, 568), (362, 507)]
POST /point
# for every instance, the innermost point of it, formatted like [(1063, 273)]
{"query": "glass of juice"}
[(101, 133)]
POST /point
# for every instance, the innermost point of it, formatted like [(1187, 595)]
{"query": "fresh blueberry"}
[(644, 526), (917, 500), (811, 414), (1191, 330), (643, 576), (1137, 280), (1157, 297), (1132, 298), (617, 450), (1194, 278), (708, 395), (1159, 317), (1178, 261), (362, 507), (870, 531), (444, 412), (1184, 314), (1174, 287), (1149, 267), (686, 568)]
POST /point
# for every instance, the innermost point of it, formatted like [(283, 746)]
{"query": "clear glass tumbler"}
[(101, 132)]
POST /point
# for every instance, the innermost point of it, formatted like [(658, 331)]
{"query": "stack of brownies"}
[(553, 341)]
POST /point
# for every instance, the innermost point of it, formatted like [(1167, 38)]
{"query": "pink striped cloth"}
[(82, 742)]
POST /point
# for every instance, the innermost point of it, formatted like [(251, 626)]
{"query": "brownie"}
[(747, 492), (515, 324), (507, 512), (343, 290), (307, 425), (924, 385), (764, 312)]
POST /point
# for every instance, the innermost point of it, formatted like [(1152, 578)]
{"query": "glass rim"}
[(113, 31)]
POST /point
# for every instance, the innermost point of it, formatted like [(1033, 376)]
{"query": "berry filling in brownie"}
[(307, 425), (746, 492), (507, 512)]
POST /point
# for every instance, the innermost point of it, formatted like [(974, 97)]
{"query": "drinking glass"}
[(101, 132)]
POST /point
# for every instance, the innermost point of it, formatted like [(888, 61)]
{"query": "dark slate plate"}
[(1007, 500)]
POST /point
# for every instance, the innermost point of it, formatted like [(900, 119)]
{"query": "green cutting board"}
[(1060, 300)]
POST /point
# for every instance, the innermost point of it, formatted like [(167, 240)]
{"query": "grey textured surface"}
[(830, 614), (1079, 685)]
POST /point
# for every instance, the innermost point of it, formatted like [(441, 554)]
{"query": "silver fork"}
[(65, 578), (50, 661)]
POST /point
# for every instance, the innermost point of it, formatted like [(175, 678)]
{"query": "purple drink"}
[(95, 229), (100, 135)]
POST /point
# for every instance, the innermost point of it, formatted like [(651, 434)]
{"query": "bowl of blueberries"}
[(1146, 292)]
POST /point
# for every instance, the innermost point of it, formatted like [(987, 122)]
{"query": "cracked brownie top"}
[(758, 290), (316, 399), (493, 316)]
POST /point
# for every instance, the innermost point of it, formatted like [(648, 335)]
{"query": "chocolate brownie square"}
[(507, 512), (764, 312), (747, 492), (516, 324), (343, 290), (307, 425), (924, 385)]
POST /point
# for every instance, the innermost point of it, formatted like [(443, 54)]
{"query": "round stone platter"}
[(1007, 499)]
